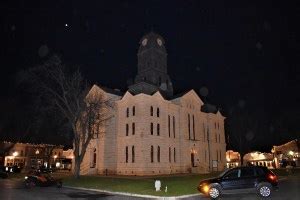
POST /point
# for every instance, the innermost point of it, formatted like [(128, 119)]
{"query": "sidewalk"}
[(136, 195)]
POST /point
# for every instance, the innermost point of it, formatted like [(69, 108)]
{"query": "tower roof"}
[(152, 40)]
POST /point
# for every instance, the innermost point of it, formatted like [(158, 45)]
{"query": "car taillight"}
[(272, 177)]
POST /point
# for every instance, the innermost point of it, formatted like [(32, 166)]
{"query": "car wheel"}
[(264, 190), (214, 192)]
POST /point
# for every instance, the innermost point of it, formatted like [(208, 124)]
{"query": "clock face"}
[(159, 42), (144, 42)]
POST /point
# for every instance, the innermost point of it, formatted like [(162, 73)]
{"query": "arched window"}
[(127, 129), (133, 154), (133, 128), (151, 111), (189, 126), (126, 154), (174, 126), (158, 129), (151, 154), (93, 158), (127, 112), (151, 128), (133, 111), (157, 112), (169, 128), (158, 153), (169, 154), (174, 155), (194, 134)]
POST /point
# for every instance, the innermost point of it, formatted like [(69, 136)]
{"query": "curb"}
[(135, 195)]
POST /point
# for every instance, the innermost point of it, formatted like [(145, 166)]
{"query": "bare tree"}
[(67, 94)]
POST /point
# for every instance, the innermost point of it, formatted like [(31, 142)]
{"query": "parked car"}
[(240, 179), (37, 178)]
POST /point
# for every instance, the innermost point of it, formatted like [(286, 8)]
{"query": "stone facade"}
[(153, 132)]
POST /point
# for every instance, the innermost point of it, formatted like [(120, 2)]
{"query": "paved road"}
[(11, 190), (289, 189), (14, 190)]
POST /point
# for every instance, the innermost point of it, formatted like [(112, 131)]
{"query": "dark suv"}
[(255, 178)]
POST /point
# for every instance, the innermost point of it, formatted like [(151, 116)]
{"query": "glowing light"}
[(55, 156), (291, 153), (205, 188), (15, 154), (66, 25)]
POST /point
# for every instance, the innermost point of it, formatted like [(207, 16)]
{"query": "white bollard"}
[(157, 185)]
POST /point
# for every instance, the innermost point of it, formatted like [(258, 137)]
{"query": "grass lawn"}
[(177, 185)]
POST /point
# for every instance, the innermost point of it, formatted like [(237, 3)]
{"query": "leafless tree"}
[(67, 93)]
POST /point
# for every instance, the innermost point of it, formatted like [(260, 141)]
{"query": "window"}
[(217, 151), (205, 156), (126, 154), (158, 129), (157, 112), (151, 128), (169, 126), (174, 126), (169, 154), (151, 110), (203, 131), (174, 155), (94, 158), (189, 126), (133, 111), (219, 138), (216, 137), (127, 112), (247, 172), (220, 155), (232, 174), (194, 135), (158, 154), (151, 154), (127, 129), (133, 154), (133, 128)]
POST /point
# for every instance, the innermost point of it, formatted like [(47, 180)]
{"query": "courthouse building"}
[(153, 131)]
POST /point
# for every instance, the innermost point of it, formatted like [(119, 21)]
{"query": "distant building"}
[(233, 159), (259, 159), (25, 155), (287, 154), (153, 131)]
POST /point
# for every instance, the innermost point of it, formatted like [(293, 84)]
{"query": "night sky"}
[(245, 54)]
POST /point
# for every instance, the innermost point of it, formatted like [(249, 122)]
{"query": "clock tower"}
[(152, 73)]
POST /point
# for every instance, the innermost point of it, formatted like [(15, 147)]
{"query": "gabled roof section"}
[(106, 90), (158, 94), (126, 95), (195, 95)]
